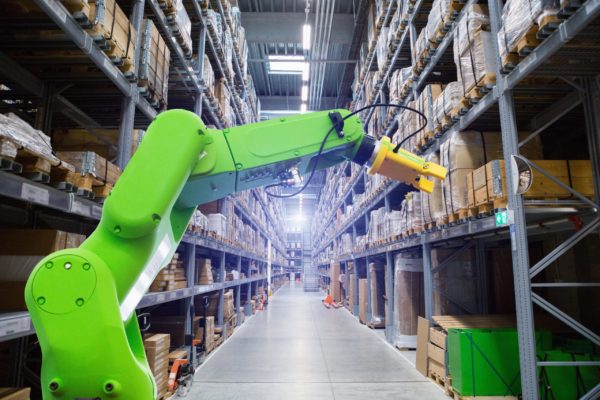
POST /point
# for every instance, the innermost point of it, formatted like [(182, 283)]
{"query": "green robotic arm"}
[(82, 301)]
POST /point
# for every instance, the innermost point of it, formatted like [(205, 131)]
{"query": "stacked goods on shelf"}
[(411, 215), (399, 85), (382, 50), (474, 53), (229, 314), (208, 76), (521, 21), (461, 154), (363, 300), (96, 176), (424, 104), (409, 122), (439, 22), (217, 223), (198, 222), (486, 186), (103, 142), (376, 231), (377, 275), (181, 26), (223, 99), (155, 58), (334, 284), (20, 251), (432, 204), (446, 107), (15, 393), (436, 357), (171, 277), (372, 30), (26, 150), (111, 28), (408, 298), (157, 353), (204, 271)]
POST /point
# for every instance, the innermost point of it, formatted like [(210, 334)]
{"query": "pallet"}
[(102, 192), (63, 177), (465, 214), (457, 396), (481, 88), (444, 382), (568, 7)]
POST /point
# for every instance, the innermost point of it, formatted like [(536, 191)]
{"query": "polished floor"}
[(298, 349)]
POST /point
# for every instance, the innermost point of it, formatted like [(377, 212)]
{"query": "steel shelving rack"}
[(186, 90), (500, 108)]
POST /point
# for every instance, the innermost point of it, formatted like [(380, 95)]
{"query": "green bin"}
[(485, 362)]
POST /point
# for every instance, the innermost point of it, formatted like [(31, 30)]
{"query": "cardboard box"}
[(335, 291), (334, 272), (88, 162), (421, 361), (15, 394), (438, 337), (204, 271), (363, 300), (435, 353)]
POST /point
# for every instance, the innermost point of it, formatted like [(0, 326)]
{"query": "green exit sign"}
[(502, 218)]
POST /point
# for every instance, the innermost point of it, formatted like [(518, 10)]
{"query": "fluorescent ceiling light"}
[(289, 65), (304, 93), (306, 37), (302, 110), (305, 72)]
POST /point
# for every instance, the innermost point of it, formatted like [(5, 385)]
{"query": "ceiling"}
[(274, 27)]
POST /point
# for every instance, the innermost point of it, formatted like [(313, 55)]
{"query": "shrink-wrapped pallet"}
[(16, 134), (456, 284), (208, 75), (155, 57), (399, 83), (409, 123), (438, 23), (432, 204), (411, 214), (519, 19), (461, 154), (393, 223), (382, 49), (377, 275), (408, 298), (444, 104), (182, 28), (346, 243), (424, 104), (474, 50)]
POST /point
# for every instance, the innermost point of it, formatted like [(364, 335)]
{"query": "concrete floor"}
[(298, 349)]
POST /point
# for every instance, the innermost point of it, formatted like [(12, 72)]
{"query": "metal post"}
[(268, 266), (190, 268), (238, 293), (221, 309), (248, 306), (201, 51), (137, 17), (518, 228), (369, 314), (591, 108), (482, 281), (389, 296), (427, 280), (125, 130), (355, 291), (43, 116)]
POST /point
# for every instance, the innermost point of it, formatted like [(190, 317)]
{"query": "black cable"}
[(319, 153)]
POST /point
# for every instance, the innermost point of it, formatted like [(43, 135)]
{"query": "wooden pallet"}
[(465, 214), (444, 382), (481, 88)]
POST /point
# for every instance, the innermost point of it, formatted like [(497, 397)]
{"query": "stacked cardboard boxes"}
[(154, 64), (157, 352), (204, 271), (335, 285), (172, 277)]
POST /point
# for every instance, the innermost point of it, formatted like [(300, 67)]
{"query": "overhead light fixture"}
[(304, 93), (302, 110), (288, 65), (305, 72), (306, 37)]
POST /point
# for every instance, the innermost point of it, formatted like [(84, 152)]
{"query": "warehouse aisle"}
[(298, 349)]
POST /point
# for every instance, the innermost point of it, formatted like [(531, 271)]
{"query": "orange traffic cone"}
[(328, 302)]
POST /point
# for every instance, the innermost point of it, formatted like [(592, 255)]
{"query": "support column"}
[(517, 227), (369, 314), (238, 293), (427, 281), (188, 302), (591, 109), (389, 297), (269, 266), (201, 51), (221, 309), (43, 116)]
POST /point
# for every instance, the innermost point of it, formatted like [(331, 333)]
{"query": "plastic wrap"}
[(445, 103), (399, 83), (377, 274), (424, 104), (432, 204), (25, 136), (393, 223), (437, 20), (473, 47), (456, 284), (518, 17), (184, 25), (461, 154), (408, 298), (382, 48), (408, 123), (346, 243), (155, 59)]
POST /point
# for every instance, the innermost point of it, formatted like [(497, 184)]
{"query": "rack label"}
[(80, 208), (17, 325), (36, 194), (160, 298)]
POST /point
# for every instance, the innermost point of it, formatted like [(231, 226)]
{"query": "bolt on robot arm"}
[(82, 301)]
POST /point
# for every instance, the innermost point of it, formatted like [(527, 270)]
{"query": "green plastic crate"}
[(485, 362), (566, 383)]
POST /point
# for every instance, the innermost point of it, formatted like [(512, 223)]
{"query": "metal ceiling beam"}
[(276, 103), (269, 27), (265, 60)]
